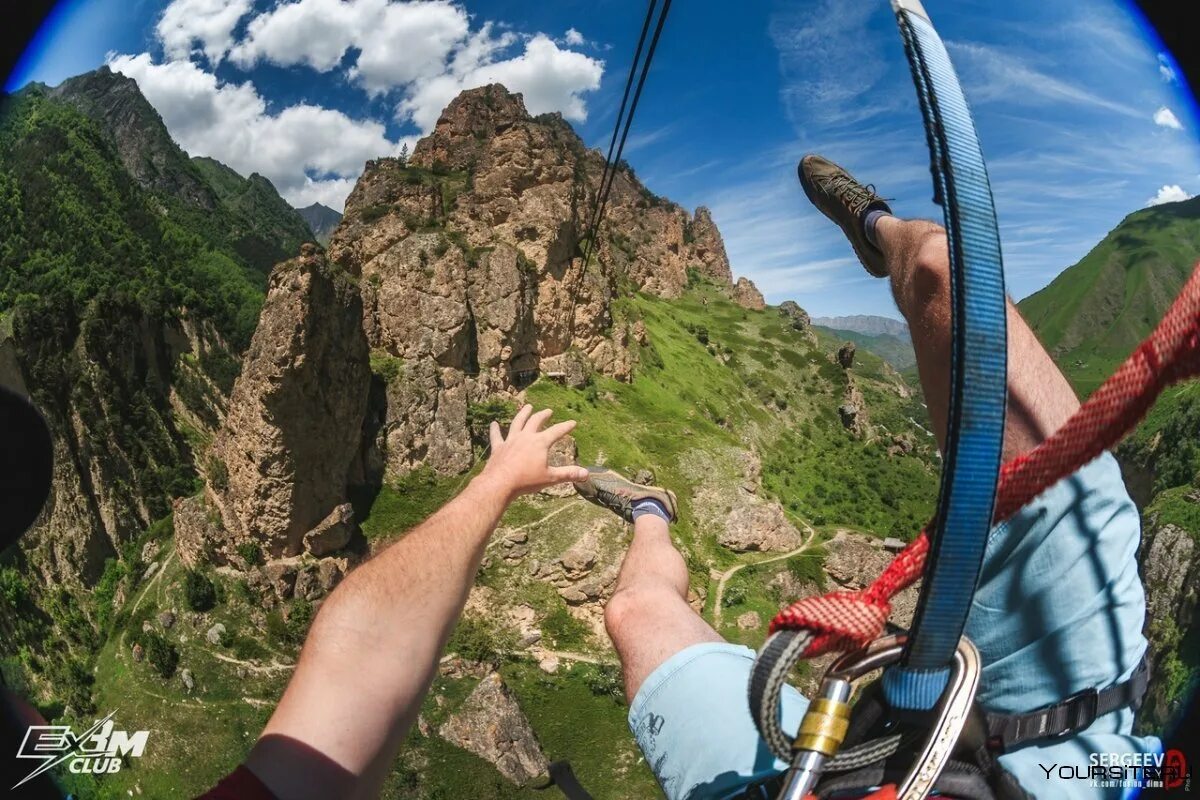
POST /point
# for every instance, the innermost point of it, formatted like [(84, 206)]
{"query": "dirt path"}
[(274, 666), (153, 580), (544, 518), (718, 607)]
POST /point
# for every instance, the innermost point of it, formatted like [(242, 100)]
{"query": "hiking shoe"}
[(609, 490), (844, 200)]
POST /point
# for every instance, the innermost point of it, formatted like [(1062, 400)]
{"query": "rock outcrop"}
[(282, 460), (747, 295), (491, 725), (798, 316), (469, 259), (845, 355), (756, 525)]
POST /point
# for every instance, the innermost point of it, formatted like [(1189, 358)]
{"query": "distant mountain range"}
[(867, 324), (885, 337), (322, 220)]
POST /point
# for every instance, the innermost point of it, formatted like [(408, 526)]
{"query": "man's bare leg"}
[(648, 617), (918, 262)]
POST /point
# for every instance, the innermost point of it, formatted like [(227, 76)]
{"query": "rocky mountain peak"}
[(143, 143), (471, 119)]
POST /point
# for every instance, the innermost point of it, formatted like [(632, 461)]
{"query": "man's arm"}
[(373, 649)]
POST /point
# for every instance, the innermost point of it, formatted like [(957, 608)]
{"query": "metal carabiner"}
[(825, 723)]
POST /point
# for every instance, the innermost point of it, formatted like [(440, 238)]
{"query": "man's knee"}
[(632, 608), (625, 608)]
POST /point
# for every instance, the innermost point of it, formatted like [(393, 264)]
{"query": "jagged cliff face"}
[(469, 283), (129, 283), (472, 274)]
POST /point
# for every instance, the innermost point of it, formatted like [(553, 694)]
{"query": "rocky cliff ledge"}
[(455, 277)]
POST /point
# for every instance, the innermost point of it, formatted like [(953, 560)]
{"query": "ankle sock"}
[(650, 506), (869, 220)]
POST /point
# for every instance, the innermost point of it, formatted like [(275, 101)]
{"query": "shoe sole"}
[(808, 192)]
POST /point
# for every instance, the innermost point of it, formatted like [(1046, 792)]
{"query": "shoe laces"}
[(853, 194)]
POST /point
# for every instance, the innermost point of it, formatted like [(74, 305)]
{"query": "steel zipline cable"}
[(623, 124)]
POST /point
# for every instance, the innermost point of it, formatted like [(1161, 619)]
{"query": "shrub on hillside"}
[(160, 653), (199, 591)]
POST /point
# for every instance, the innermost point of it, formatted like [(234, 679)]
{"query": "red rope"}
[(848, 620)]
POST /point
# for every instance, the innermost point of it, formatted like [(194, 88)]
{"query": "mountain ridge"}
[(866, 324), (321, 219)]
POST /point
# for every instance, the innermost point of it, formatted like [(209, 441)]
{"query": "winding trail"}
[(718, 607)]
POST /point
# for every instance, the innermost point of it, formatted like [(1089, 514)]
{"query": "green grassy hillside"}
[(717, 387), (1090, 318), (1092, 315)]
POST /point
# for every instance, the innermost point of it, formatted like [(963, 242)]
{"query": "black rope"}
[(610, 164), (608, 159)]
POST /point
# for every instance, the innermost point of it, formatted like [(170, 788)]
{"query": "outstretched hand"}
[(519, 463)]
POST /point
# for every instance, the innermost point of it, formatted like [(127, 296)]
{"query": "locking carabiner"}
[(825, 723)]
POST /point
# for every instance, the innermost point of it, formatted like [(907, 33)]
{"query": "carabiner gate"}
[(825, 723)]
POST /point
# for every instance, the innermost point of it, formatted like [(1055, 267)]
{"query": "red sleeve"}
[(241, 784)]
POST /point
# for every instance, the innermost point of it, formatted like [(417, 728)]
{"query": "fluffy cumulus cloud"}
[(206, 23), (416, 55), (1172, 193), (424, 51), (1166, 118), (550, 78), (311, 154)]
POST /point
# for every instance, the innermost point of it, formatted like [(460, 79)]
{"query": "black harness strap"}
[(1067, 717)]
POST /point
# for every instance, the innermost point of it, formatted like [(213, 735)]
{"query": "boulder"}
[(491, 725), (333, 533), (281, 577), (138, 653), (750, 621), (166, 619), (581, 556), (755, 525), (189, 682), (215, 633), (329, 574), (308, 584)]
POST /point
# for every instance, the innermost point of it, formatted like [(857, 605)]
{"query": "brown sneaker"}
[(844, 200), (609, 490)]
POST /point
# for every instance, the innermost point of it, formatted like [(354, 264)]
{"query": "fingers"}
[(536, 422), (494, 435), (520, 419), (572, 474), (556, 432)]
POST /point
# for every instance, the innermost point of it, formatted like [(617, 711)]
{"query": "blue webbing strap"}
[(978, 369)]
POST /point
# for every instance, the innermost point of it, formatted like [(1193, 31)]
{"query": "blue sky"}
[(1082, 117)]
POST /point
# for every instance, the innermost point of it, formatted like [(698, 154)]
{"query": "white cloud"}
[(1166, 70), (997, 75), (312, 32), (1166, 118), (424, 49), (1172, 193), (208, 22), (550, 78), (310, 153), (419, 53)]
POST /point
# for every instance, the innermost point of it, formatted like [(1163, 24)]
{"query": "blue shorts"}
[(1059, 608)]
